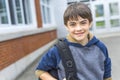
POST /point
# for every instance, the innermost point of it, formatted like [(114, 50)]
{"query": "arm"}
[(47, 65), (44, 75), (107, 74), (107, 63), (108, 78)]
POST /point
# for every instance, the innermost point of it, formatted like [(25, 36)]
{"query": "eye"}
[(83, 22), (72, 24)]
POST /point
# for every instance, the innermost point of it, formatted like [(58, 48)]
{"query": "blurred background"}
[(30, 27)]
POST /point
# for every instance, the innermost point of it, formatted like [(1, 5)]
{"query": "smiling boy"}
[(90, 54)]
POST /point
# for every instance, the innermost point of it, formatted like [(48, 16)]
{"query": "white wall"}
[(59, 8)]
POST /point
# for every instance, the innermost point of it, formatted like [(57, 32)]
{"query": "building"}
[(29, 27), (106, 15)]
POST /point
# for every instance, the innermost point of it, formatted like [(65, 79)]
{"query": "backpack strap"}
[(67, 60)]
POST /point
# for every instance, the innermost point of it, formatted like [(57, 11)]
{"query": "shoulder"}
[(102, 47), (52, 52), (50, 58)]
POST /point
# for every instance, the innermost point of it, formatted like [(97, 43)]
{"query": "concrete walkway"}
[(113, 44), (29, 73)]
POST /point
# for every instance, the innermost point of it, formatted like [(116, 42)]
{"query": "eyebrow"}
[(84, 20)]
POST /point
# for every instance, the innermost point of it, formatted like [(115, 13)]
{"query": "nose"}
[(78, 27)]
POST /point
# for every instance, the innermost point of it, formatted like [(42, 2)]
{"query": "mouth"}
[(79, 34)]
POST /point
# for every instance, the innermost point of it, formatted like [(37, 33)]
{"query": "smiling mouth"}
[(79, 33)]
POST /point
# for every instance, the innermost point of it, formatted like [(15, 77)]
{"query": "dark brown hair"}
[(76, 10)]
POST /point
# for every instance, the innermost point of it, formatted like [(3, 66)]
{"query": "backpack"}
[(67, 61)]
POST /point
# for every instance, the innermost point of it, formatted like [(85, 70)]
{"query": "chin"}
[(79, 39)]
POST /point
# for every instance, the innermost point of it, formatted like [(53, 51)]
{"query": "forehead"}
[(74, 19)]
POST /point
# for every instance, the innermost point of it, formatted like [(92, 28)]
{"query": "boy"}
[(90, 54)]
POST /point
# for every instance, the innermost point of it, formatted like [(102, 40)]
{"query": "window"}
[(100, 24), (72, 1), (3, 13), (100, 16), (46, 11), (84, 0), (114, 13), (99, 11), (114, 10), (18, 10), (115, 22)]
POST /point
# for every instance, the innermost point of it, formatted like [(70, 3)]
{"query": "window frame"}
[(47, 16), (6, 13), (24, 14)]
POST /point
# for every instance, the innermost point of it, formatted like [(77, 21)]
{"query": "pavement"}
[(113, 45), (29, 73)]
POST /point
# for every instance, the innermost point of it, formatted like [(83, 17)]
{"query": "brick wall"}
[(15, 49)]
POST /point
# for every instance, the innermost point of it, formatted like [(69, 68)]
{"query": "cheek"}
[(87, 27), (69, 29)]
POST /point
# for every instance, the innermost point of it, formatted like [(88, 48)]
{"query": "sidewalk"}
[(29, 73), (113, 44)]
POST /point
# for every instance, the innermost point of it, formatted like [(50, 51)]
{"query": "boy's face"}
[(78, 29)]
